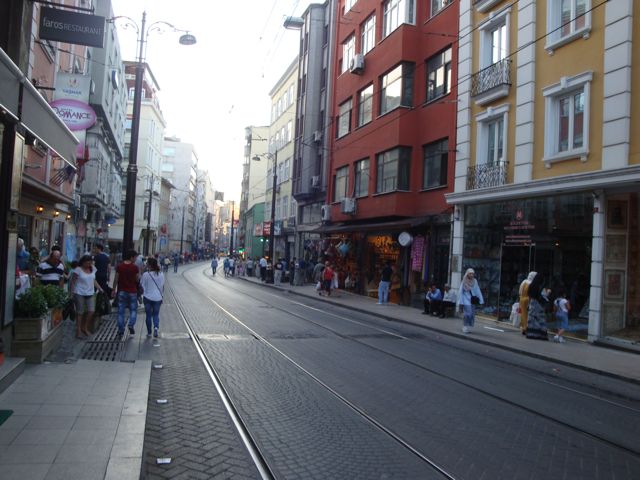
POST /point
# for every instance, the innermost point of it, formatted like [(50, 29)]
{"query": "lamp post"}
[(148, 232), (272, 232), (232, 220), (182, 231), (132, 169)]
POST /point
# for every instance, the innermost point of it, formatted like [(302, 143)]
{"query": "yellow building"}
[(547, 168)]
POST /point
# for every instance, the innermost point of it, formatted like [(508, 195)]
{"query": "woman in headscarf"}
[(536, 321), (524, 301), (469, 292)]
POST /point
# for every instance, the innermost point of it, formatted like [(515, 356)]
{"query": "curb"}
[(465, 337)]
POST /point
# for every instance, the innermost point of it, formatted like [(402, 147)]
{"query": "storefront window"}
[(552, 236), (621, 283)]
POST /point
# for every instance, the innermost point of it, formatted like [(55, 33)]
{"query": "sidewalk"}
[(82, 420), (574, 353)]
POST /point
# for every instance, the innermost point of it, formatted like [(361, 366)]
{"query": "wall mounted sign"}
[(70, 27)]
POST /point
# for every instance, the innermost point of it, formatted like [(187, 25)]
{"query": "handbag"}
[(475, 300), (161, 292)]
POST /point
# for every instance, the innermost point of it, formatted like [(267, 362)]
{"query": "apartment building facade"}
[(392, 144), (252, 197), (547, 168)]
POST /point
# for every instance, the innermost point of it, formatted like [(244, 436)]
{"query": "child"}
[(561, 308)]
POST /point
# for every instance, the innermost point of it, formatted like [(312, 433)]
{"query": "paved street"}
[(327, 392)]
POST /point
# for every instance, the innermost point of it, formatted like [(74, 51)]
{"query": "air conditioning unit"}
[(325, 211), (317, 136), (357, 64), (348, 205), (315, 181), (84, 211)]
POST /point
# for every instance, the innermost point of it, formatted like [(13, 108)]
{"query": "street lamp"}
[(148, 231), (273, 156), (132, 169)]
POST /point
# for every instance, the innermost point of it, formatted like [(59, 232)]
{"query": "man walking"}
[(214, 266), (263, 269), (102, 262), (125, 284)]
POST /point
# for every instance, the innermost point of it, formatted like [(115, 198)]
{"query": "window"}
[(340, 184), (439, 75), (494, 39), (492, 136), (285, 206), (567, 20), (344, 118), (293, 208), (436, 157), (348, 5), (393, 170), (437, 5), (348, 52), (289, 131), (365, 106), (361, 178), (397, 12), (397, 88), (567, 118), (368, 30)]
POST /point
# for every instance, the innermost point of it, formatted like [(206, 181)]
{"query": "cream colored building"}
[(548, 168), (281, 135)]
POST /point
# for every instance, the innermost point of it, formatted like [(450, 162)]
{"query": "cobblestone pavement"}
[(428, 392), (193, 428)]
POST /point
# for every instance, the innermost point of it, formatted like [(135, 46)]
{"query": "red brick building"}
[(393, 142)]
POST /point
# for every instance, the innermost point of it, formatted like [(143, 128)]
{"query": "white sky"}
[(210, 91)]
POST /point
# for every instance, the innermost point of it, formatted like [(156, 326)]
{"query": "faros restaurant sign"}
[(70, 27)]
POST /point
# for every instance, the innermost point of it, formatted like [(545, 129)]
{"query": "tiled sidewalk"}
[(577, 353), (81, 420)]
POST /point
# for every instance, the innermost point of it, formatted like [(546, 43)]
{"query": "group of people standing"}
[(536, 306)]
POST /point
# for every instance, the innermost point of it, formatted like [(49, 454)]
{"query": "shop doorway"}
[(517, 262)]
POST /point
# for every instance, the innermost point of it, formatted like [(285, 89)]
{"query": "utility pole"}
[(232, 220), (148, 235), (182, 231)]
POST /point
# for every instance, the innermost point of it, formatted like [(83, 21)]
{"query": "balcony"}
[(486, 175), (492, 82), (484, 5)]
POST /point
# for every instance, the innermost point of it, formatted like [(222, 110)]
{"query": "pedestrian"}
[(536, 318), (83, 286), (561, 308), (152, 283), (51, 270), (385, 283), (263, 269), (292, 271), (524, 301), (225, 266), (249, 267), (176, 261), (448, 301), (214, 266), (277, 272), (232, 266), (102, 262), (166, 264), (317, 271), (469, 296), (125, 286), (327, 278), (433, 301)]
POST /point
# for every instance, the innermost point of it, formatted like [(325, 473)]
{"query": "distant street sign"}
[(71, 27)]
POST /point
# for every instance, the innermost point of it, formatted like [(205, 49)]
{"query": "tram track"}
[(555, 419), (259, 458)]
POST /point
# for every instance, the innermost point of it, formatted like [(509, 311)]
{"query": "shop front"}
[(504, 241), (417, 249)]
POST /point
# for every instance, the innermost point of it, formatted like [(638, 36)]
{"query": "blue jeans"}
[(469, 315), (383, 292), (130, 301), (152, 310)]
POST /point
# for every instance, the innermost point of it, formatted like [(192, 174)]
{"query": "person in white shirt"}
[(152, 283), (83, 286)]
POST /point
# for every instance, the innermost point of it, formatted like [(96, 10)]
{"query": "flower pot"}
[(33, 328)]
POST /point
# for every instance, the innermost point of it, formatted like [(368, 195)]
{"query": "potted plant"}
[(32, 314), (56, 298)]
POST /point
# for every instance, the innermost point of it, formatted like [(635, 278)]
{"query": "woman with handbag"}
[(152, 283), (83, 286), (468, 297)]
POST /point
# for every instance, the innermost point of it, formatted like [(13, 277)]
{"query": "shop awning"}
[(400, 224), (35, 113)]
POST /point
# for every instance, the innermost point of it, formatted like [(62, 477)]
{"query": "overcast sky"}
[(210, 91)]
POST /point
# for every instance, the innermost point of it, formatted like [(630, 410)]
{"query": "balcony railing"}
[(486, 175), (496, 75)]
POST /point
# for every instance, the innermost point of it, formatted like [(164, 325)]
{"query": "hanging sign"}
[(70, 27)]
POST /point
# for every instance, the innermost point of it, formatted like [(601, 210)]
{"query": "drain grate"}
[(105, 345)]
